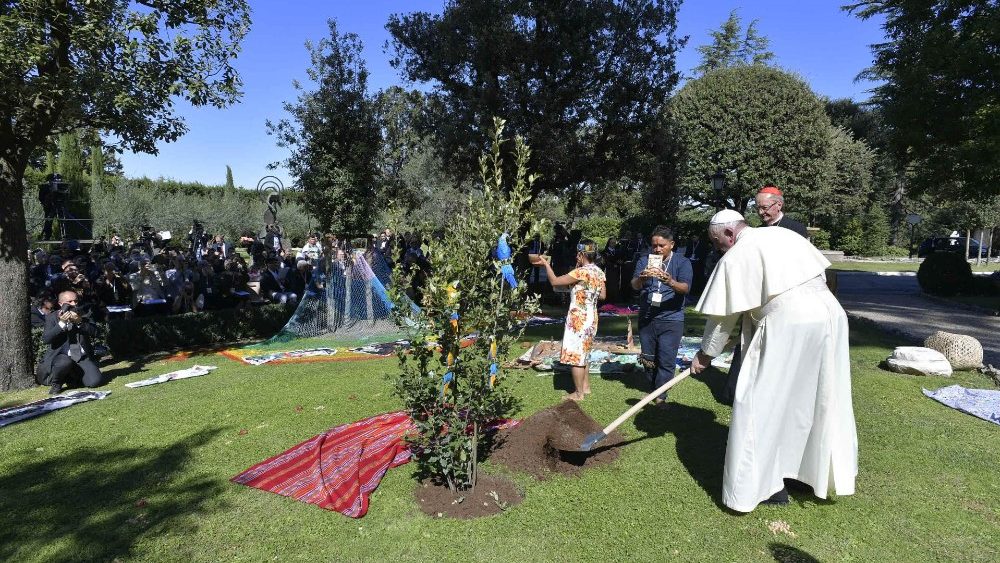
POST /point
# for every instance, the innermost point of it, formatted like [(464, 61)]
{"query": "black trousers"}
[(85, 372), (660, 341)]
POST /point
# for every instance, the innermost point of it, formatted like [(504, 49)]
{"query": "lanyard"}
[(665, 268)]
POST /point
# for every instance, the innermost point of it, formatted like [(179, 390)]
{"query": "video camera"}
[(150, 239)]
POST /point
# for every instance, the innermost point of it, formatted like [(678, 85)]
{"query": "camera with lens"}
[(85, 311)]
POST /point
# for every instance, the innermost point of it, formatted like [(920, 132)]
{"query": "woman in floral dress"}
[(588, 286)]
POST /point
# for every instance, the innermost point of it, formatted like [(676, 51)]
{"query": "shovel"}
[(596, 437)]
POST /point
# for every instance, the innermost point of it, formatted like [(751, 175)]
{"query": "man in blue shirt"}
[(661, 307)]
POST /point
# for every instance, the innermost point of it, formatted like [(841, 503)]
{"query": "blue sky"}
[(814, 38)]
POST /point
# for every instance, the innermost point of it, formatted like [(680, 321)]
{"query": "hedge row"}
[(145, 335)]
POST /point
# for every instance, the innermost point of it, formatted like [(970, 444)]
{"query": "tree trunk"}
[(979, 252), (15, 332), (989, 250)]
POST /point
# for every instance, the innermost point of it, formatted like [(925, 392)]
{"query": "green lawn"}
[(898, 267), (143, 475)]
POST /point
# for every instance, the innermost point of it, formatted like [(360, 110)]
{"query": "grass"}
[(898, 267), (143, 475)]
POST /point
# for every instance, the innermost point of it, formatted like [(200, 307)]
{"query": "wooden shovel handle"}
[(646, 400)]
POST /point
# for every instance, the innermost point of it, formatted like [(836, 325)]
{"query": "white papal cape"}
[(792, 413)]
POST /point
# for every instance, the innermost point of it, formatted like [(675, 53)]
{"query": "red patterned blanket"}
[(338, 469)]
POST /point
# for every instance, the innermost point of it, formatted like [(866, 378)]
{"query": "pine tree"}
[(229, 178), (729, 49)]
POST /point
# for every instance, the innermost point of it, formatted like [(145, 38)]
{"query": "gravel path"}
[(895, 303)]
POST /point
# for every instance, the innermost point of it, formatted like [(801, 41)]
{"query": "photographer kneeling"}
[(70, 357)]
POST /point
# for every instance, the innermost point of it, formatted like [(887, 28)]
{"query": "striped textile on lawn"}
[(338, 469)]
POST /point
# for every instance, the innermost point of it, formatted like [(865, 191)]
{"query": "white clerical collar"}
[(781, 215)]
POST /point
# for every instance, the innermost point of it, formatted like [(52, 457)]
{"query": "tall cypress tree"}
[(50, 163), (71, 161), (71, 169), (229, 178), (96, 167)]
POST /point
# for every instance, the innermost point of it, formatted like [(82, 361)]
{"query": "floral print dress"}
[(581, 321)]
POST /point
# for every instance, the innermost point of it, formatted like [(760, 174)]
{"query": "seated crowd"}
[(149, 277), (73, 288)]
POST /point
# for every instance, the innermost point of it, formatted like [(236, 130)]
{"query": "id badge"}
[(655, 299)]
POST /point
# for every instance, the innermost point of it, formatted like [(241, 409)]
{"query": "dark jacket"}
[(225, 249), (297, 282), (37, 318), (697, 249), (59, 341), (792, 225), (114, 292), (269, 284)]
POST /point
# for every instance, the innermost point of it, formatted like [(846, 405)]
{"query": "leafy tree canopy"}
[(110, 65), (114, 66), (939, 71), (733, 46), (582, 81), (846, 187), (334, 136), (756, 124)]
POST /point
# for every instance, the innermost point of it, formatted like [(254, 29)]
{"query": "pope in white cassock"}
[(792, 414)]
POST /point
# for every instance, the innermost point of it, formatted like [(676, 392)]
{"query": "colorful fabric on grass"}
[(611, 310), (608, 358), (240, 355), (980, 403), (382, 349), (10, 415), (338, 469), (369, 352), (261, 359), (542, 320), (193, 371)]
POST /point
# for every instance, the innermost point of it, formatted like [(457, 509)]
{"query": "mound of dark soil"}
[(493, 494), (549, 441)]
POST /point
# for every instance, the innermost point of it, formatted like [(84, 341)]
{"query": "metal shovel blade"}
[(591, 440)]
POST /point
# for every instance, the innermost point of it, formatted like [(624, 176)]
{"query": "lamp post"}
[(913, 219), (718, 185)]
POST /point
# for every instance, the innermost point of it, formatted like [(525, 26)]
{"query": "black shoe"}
[(798, 486), (55, 389), (779, 498)]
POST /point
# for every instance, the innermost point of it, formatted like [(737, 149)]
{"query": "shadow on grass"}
[(562, 380), (701, 441), (93, 504), (715, 379), (787, 554), (137, 364), (635, 379)]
